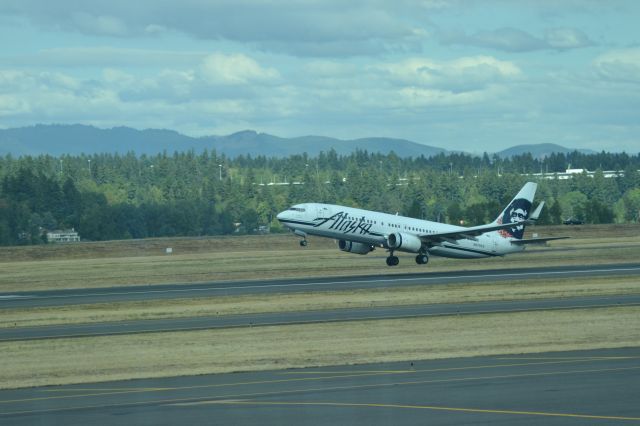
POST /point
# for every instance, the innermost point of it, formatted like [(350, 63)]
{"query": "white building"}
[(570, 173), (63, 236)]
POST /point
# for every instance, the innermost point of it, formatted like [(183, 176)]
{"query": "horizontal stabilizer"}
[(536, 213)]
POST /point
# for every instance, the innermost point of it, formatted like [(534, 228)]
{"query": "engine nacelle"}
[(404, 242), (354, 247)]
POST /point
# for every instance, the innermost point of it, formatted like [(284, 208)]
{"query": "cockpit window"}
[(297, 209)]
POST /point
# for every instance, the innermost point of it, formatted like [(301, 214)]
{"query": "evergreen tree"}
[(107, 196)]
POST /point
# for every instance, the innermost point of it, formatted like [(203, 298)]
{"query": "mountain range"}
[(76, 139)]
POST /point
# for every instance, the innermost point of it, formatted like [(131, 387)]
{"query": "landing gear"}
[(303, 242), (392, 260), (422, 259)]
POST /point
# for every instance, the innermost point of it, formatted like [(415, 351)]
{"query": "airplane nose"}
[(280, 216)]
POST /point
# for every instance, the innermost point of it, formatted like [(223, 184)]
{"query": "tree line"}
[(110, 196)]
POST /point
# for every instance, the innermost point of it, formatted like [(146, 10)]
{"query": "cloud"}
[(218, 76), (514, 40), (236, 88), (30, 97), (47, 95), (506, 39), (422, 83), (622, 65), (101, 25), (459, 75), (235, 69), (232, 88), (106, 56), (566, 38), (414, 97), (349, 69), (305, 28)]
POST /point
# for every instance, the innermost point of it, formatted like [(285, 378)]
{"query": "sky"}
[(457, 74)]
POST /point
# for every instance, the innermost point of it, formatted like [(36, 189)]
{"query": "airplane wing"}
[(467, 233), (537, 240)]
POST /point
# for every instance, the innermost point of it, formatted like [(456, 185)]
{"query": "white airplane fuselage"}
[(347, 224)]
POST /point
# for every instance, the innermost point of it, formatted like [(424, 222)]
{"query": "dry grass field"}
[(295, 302), (118, 263), (257, 243), (91, 359), (273, 256)]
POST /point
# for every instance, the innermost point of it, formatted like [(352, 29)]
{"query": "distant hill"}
[(254, 143), (539, 150), (76, 139)]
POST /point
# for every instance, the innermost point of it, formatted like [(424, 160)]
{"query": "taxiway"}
[(569, 388)]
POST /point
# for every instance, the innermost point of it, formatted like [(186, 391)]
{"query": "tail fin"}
[(518, 210)]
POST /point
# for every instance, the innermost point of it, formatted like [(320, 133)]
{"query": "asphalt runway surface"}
[(308, 317), (580, 387), (174, 291), (568, 388)]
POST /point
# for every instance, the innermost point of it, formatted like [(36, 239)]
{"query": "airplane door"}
[(322, 212)]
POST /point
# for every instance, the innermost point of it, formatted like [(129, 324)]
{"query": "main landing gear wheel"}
[(422, 259), (303, 243), (392, 261)]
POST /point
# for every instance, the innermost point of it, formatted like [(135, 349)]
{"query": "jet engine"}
[(404, 242), (354, 247)]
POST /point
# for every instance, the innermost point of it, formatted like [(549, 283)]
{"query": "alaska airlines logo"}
[(349, 225), (517, 211)]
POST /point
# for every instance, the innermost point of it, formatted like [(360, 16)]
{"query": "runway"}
[(308, 317), (174, 291), (570, 388), (580, 387)]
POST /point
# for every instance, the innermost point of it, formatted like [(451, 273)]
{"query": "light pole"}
[(220, 170)]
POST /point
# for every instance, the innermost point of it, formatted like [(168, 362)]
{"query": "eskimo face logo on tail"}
[(517, 211)]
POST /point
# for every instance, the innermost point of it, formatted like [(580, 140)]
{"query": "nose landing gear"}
[(392, 260), (303, 242)]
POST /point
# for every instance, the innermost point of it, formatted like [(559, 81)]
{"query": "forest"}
[(110, 196)]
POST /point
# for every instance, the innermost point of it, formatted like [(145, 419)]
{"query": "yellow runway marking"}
[(435, 408), (99, 392), (589, 358), (408, 383), (208, 400), (353, 372), (558, 360), (337, 375), (131, 389)]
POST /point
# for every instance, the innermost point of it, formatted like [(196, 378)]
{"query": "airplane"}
[(361, 231)]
